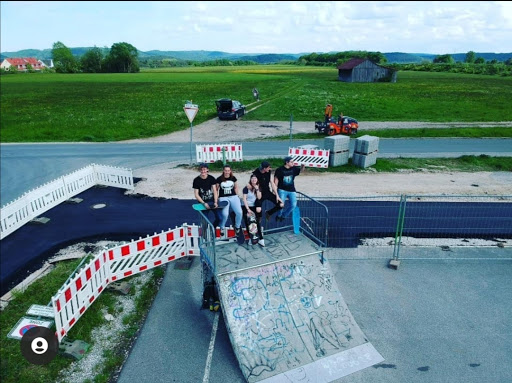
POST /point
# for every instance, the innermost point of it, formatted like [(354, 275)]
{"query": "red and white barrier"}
[(311, 158), (213, 153), (144, 254), (73, 299)]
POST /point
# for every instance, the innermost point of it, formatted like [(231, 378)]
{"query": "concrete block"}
[(121, 287), (338, 159), (364, 161), (74, 200), (366, 144), (337, 143), (394, 264), (74, 349), (40, 220)]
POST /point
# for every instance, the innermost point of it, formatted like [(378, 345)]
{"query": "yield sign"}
[(190, 111)]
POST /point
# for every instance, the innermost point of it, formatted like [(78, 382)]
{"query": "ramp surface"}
[(287, 319)]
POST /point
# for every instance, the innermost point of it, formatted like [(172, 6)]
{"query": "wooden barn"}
[(364, 70)]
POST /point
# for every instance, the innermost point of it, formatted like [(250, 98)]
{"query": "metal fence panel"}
[(447, 222)]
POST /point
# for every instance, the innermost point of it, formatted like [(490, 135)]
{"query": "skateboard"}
[(253, 229), (200, 206), (296, 220)]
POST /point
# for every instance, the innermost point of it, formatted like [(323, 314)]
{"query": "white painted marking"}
[(206, 376)]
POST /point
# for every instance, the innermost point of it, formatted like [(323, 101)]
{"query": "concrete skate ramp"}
[(289, 323)]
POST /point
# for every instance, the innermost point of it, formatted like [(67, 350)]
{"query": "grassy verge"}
[(38, 107), (470, 132), (15, 369), (460, 164)]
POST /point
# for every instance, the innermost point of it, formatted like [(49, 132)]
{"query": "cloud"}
[(264, 27)]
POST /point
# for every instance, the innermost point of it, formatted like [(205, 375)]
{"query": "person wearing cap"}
[(284, 179), (205, 191), (268, 188)]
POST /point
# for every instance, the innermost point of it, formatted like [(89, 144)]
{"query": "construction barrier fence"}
[(311, 158), (114, 264), (219, 152)]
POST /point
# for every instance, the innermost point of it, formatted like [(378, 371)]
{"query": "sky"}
[(261, 26)]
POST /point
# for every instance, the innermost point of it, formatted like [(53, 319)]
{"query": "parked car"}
[(228, 109)]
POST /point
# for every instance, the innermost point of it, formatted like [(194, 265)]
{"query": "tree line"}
[(124, 58), (441, 63), (121, 58)]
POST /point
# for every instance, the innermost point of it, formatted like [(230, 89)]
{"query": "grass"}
[(460, 164), (472, 132), (112, 107), (15, 369)]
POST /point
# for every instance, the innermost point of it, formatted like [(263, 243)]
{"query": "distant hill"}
[(217, 55), (270, 58)]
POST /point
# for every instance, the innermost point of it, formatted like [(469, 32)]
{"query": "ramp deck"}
[(285, 315)]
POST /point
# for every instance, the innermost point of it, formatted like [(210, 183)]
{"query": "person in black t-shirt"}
[(268, 188), (205, 191), (285, 183), (227, 187)]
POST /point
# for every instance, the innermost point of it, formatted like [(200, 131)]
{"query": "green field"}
[(39, 107)]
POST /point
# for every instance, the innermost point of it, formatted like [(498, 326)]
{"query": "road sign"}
[(41, 311), (191, 111), (25, 324)]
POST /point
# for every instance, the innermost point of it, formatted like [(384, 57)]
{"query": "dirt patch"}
[(217, 131), (170, 181)]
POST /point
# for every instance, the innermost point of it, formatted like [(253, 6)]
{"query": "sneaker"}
[(237, 230), (267, 215), (261, 242)]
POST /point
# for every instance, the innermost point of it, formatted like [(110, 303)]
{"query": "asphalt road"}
[(27, 166)]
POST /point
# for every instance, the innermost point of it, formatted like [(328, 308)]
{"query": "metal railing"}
[(449, 222), (390, 227), (314, 219)]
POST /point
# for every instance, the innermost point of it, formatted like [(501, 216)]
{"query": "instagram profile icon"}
[(39, 345)]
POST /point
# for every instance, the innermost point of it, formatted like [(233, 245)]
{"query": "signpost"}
[(191, 111)]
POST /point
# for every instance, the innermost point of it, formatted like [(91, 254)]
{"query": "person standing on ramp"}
[(285, 183)]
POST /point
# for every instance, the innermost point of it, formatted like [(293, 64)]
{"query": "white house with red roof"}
[(21, 63)]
